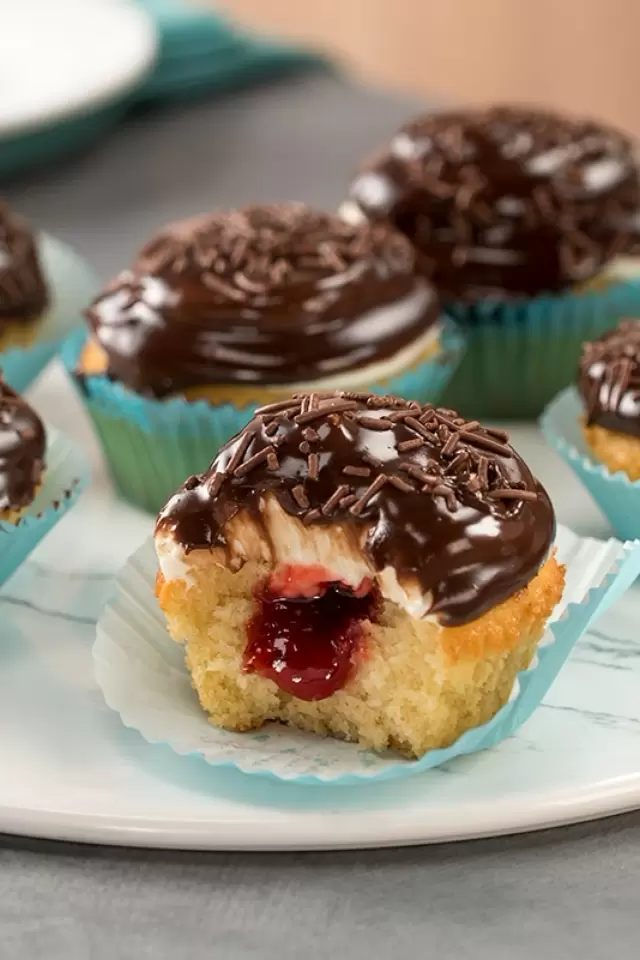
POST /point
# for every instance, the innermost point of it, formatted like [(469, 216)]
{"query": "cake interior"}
[(309, 641), (354, 667)]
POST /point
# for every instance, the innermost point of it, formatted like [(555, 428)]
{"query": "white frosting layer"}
[(336, 548)]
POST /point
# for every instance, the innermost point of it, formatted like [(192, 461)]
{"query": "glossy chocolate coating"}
[(23, 292), (610, 379), (442, 500), (22, 450), (506, 202), (269, 295)]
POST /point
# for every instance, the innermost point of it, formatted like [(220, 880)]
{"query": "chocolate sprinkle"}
[(335, 498), (313, 465), (352, 471), (258, 458), (422, 531), (375, 423), (300, 497), (412, 444), (216, 483), (370, 492)]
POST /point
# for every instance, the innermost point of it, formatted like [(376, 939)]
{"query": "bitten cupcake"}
[(359, 566), (23, 292), (22, 454), (519, 217), (227, 311), (610, 388)]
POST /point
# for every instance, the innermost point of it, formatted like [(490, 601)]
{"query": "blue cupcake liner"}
[(67, 475), (152, 446), (521, 353), (616, 495), (143, 678), (71, 285), (426, 381)]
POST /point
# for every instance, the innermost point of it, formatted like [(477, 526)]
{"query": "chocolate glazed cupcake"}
[(227, 311), (359, 566), (519, 216), (610, 388), (23, 292), (22, 454)]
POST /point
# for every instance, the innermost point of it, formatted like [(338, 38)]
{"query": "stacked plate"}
[(70, 70), (67, 73)]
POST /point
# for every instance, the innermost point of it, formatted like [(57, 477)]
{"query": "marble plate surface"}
[(71, 770)]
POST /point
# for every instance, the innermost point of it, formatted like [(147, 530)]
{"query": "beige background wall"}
[(579, 54)]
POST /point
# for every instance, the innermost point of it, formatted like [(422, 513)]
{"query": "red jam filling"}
[(308, 641)]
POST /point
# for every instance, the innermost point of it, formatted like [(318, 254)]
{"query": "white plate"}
[(70, 770), (60, 58)]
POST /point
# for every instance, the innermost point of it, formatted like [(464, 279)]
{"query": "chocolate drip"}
[(269, 295), (442, 499), (610, 379), (23, 293), (22, 450), (506, 202)]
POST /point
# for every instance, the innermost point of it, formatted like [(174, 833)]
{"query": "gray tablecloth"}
[(561, 894)]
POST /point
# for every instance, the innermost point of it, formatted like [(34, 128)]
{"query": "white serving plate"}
[(70, 770), (62, 58)]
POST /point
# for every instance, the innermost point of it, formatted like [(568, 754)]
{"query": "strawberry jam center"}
[(308, 645)]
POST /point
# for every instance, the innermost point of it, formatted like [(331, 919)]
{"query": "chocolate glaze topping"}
[(507, 201), (441, 499), (610, 379), (22, 450), (23, 293), (267, 294)]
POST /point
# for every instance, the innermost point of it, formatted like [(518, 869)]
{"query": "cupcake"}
[(225, 312), (23, 292), (22, 455), (520, 217), (359, 566), (610, 388), (42, 475), (595, 426)]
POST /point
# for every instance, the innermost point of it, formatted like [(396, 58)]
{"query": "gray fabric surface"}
[(561, 894), (553, 896)]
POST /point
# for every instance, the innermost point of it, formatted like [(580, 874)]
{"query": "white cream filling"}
[(333, 548), (173, 560)]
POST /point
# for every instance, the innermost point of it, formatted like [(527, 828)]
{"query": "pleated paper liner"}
[(616, 496), (152, 446), (143, 677), (71, 285), (67, 475)]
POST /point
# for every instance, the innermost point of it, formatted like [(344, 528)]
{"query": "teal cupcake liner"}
[(520, 354), (427, 381), (617, 497), (71, 285), (143, 677), (152, 446), (26, 151), (67, 475)]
